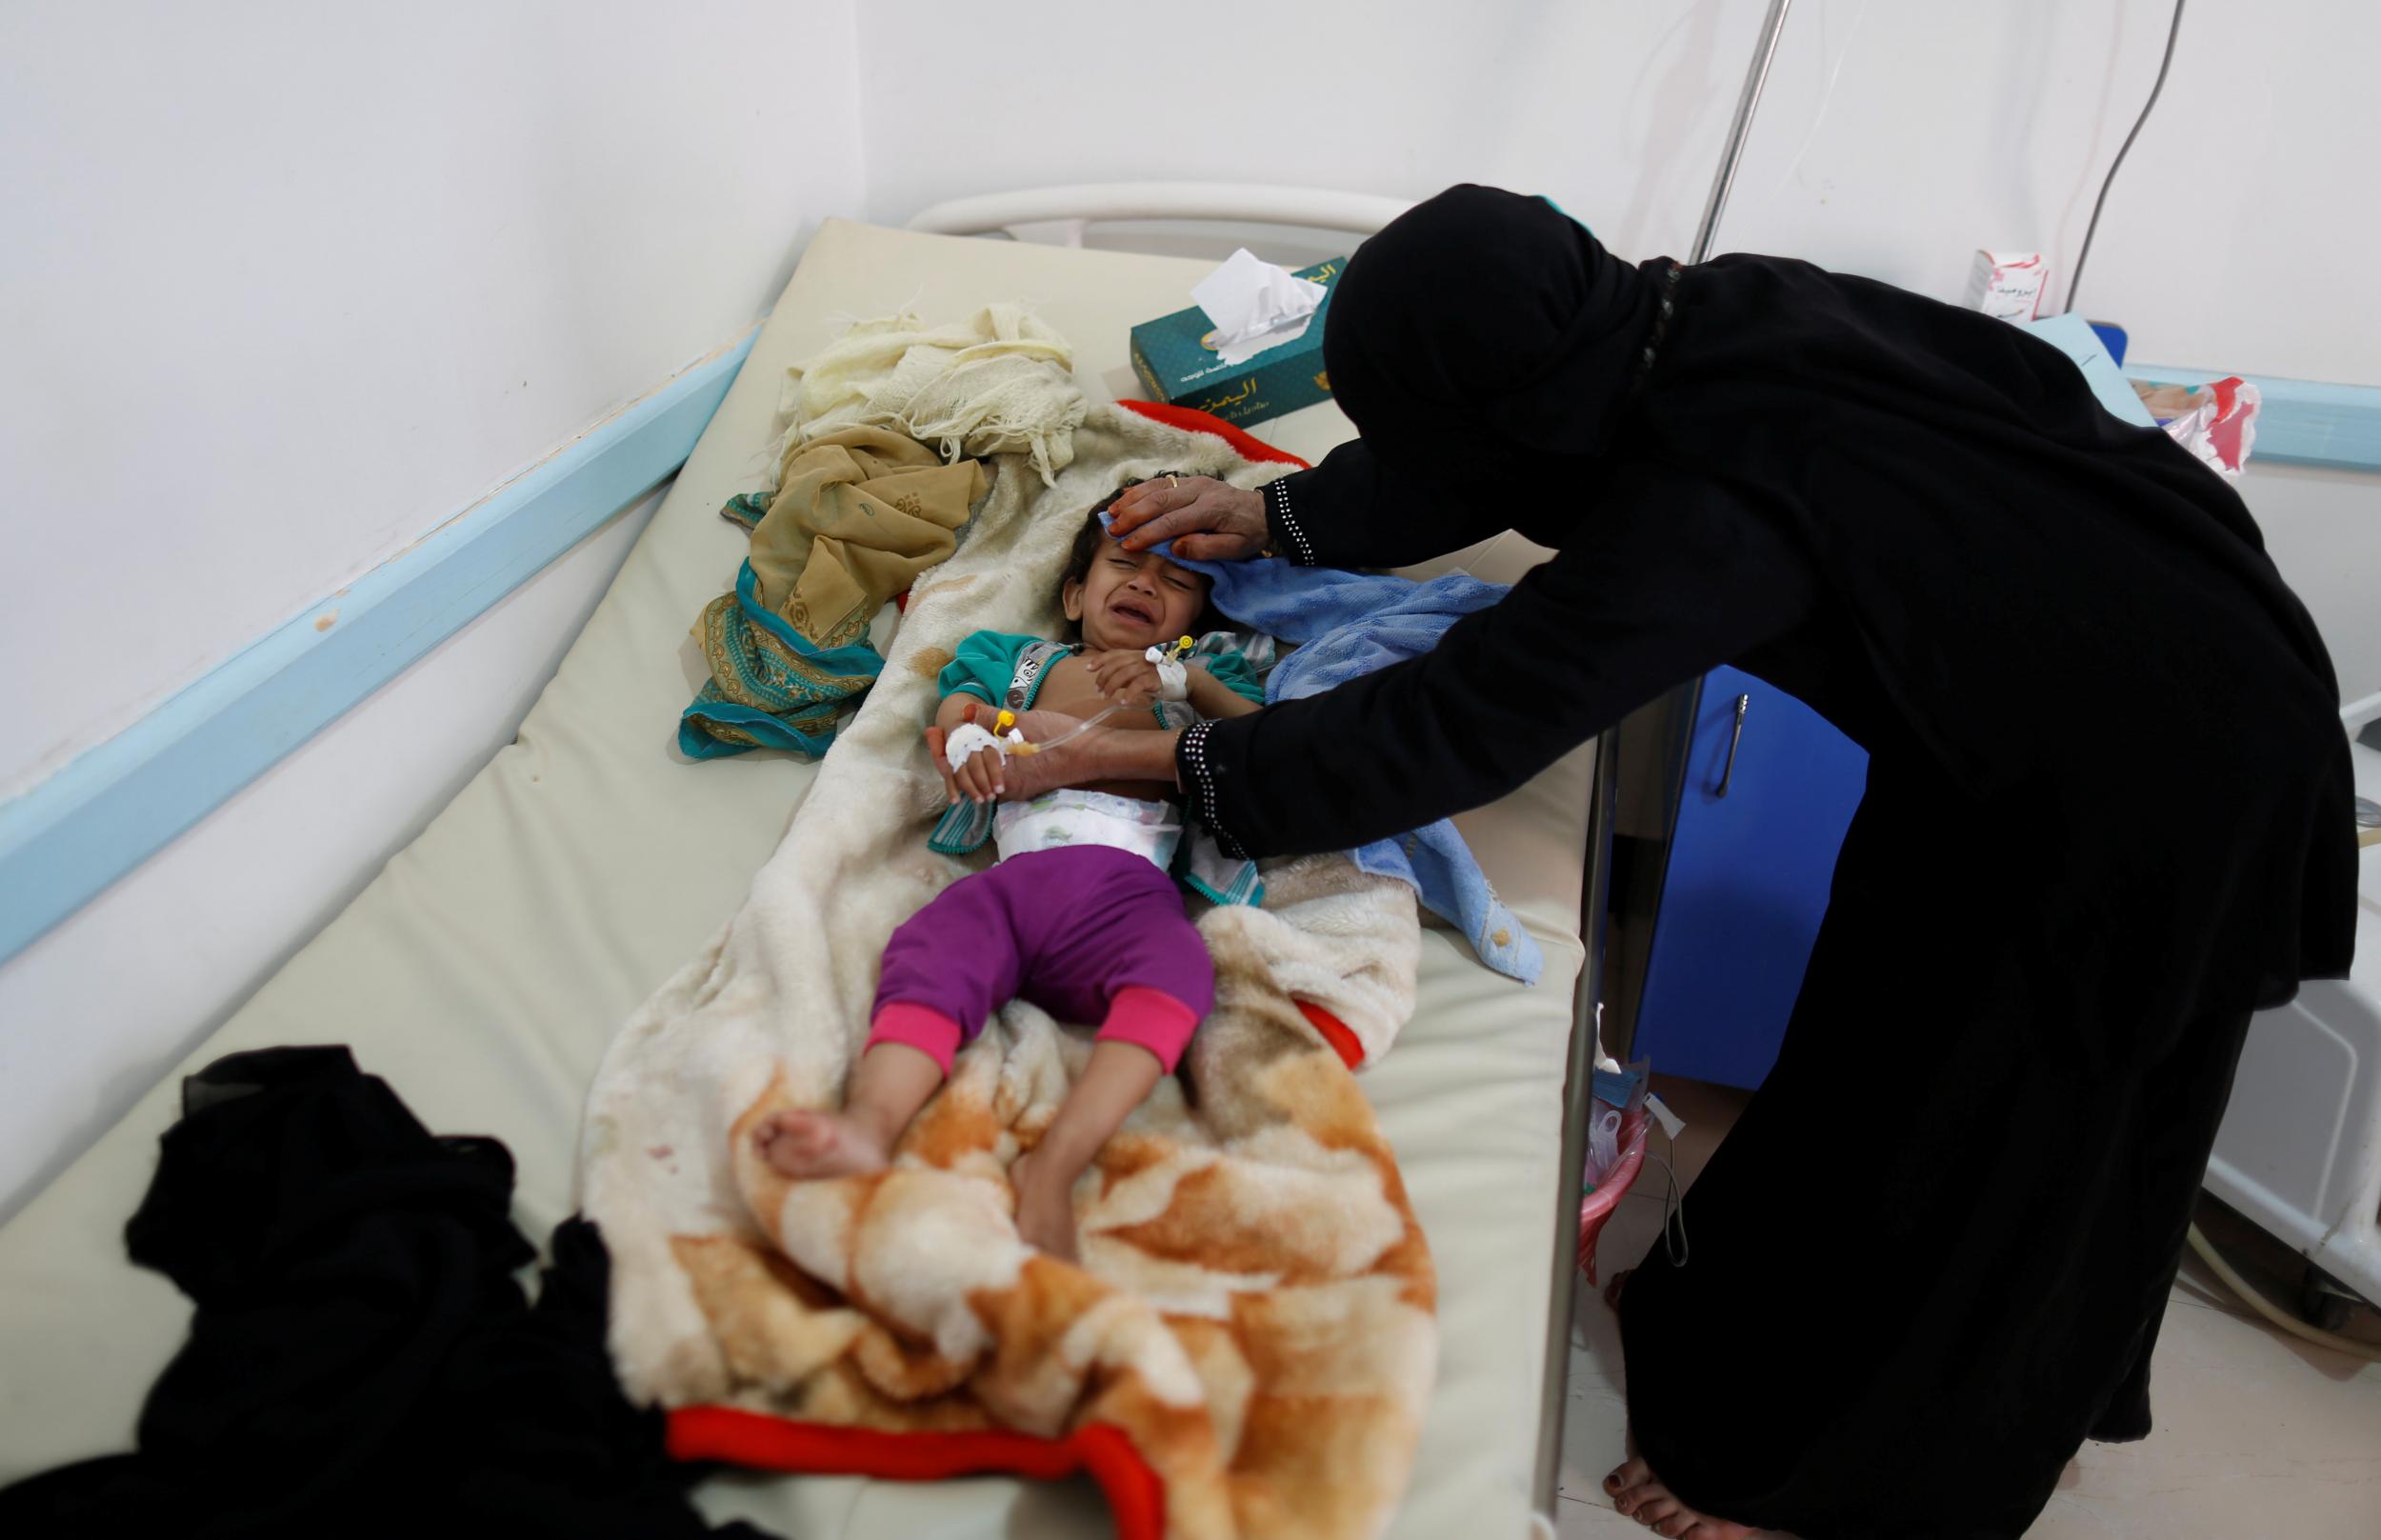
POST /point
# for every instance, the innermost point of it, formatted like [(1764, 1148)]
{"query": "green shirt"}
[(986, 667)]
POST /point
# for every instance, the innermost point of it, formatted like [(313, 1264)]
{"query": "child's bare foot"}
[(1044, 1209), (1638, 1493), (808, 1143)]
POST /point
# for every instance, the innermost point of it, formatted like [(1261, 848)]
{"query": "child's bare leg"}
[(1118, 1080), (893, 1082)]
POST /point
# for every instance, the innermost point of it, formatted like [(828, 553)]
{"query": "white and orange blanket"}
[(1248, 1346)]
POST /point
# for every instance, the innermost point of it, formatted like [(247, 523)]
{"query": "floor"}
[(2257, 1433)]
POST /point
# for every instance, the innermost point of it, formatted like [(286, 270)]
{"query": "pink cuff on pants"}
[(919, 1026), (1149, 1018)]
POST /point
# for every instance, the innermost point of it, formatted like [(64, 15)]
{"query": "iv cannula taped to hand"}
[(1006, 721), (1076, 732)]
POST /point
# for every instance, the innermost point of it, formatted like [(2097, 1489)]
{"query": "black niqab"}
[(1482, 312), (2107, 813)]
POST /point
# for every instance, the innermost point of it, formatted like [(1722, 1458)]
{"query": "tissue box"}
[(2007, 283), (1178, 366)]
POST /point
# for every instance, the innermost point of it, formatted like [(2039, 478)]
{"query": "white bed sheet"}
[(486, 967)]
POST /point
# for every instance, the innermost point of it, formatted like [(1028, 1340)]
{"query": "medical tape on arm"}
[(1173, 677), (968, 739)]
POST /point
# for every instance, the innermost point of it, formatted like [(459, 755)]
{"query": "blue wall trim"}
[(2303, 422), (110, 809)]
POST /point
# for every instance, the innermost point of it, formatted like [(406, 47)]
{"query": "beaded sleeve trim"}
[(1277, 501), (1662, 314), (1198, 783)]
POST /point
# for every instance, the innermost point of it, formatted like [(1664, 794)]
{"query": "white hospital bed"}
[(488, 966)]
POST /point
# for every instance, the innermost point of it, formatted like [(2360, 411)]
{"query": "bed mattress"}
[(486, 967)]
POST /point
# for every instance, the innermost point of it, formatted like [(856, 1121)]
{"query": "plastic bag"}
[(2218, 422), (1616, 1120), (1616, 1127), (1604, 1140)]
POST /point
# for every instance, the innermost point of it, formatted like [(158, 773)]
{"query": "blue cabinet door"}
[(1771, 788)]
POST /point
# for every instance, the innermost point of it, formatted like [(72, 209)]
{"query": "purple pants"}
[(1086, 933)]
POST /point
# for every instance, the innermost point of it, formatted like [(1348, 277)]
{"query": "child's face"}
[(1133, 599)]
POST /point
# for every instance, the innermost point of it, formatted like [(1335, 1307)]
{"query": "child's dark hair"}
[(1089, 539)]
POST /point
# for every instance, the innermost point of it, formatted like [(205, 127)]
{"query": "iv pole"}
[(1596, 892), (1764, 52), (1688, 698)]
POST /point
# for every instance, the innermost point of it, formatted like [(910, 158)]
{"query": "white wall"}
[(93, 1013), (282, 287), (1896, 135), (289, 283), (2323, 528)]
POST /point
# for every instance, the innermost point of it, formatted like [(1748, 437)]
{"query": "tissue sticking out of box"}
[(1255, 305)]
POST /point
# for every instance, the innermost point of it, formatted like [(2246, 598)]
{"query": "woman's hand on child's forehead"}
[(1215, 520), (1143, 500), (1126, 509)]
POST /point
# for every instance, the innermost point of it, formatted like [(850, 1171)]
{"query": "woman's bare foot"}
[(1045, 1208), (808, 1143), (1638, 1493)]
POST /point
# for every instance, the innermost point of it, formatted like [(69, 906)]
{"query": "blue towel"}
[(1347, 624)]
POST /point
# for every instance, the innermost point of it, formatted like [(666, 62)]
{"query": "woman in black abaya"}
[(2108, 810)]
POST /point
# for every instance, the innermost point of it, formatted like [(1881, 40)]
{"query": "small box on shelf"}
[(2008, 284)]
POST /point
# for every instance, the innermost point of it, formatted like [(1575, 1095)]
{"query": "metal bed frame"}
[(1060, 215)]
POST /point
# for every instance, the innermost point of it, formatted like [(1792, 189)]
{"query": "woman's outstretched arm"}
[(1351, 511), (1671, 577)]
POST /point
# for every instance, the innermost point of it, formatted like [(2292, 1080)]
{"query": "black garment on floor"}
[(362, 1361), (2108, 811)]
